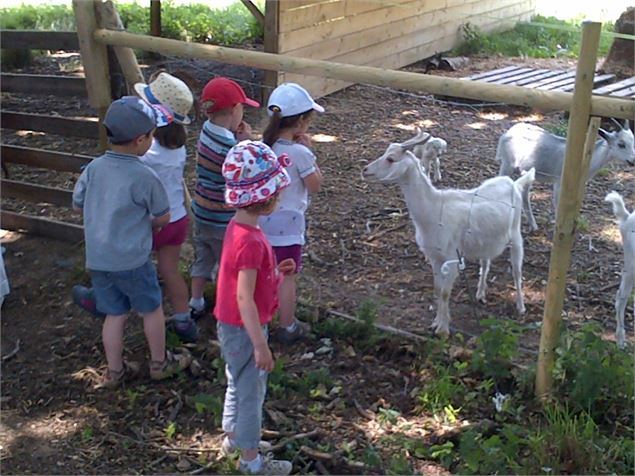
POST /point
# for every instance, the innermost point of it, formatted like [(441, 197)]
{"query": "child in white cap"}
[(122, 200), (290, 108), (247, 298)]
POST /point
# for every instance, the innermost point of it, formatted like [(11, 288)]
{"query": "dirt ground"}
[(361, 248)]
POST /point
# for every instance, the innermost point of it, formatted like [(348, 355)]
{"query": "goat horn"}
[(617, 123)]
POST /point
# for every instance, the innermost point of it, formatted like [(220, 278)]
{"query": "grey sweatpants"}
[(246, 386)]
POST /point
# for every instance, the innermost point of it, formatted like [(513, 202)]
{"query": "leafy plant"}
[(361, 334), (170, 430), (594, 375), (212, 404), (441, 391), (87, 434), (387, 416), (399, 464), (496, 348)]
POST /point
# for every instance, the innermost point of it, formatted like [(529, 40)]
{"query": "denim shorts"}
[(116, 292)]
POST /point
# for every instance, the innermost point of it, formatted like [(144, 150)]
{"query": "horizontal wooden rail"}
[(543, 100), (36, 193), (63, 126), (42, 84), (39, 40), (46, 159), (41, 226)]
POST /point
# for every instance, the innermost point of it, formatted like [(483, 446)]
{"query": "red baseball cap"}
[(223, 93)]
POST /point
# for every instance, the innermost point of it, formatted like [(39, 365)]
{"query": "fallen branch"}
[(381, 233), (315, 454), (321, 469), (279, 446), (13, 352)]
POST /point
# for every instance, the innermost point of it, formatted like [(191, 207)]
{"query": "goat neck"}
[(599, 158), (420, 195)]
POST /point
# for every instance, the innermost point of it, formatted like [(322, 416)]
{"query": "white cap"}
[(291, 99)]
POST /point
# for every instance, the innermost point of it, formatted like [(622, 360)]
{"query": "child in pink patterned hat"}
[(247, 298)]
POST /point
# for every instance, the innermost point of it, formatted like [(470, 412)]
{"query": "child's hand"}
[(264, 357), (286, 266), (303, 139), (243, 131)]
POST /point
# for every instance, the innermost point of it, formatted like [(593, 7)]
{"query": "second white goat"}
[(476, 224), (525, 146), (626, 223), (429, 154)]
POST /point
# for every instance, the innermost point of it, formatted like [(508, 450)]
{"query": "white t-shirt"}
[(169, 165), (286, 225)]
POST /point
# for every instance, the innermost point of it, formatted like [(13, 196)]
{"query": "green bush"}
[(525, 39), (197, 22), (496, 348)]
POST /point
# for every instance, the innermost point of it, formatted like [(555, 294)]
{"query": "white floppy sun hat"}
[(171, 92), (291, 99)]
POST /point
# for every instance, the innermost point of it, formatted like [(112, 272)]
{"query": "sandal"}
[(113, 378), (172, 364)]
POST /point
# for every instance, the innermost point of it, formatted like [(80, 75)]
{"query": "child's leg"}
[(154, 328), (201, 271), (168, 258), (112, 337), (287, 297), (246, 389)]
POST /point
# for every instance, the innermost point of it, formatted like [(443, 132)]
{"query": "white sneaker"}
[(226, 449), (269, 466)]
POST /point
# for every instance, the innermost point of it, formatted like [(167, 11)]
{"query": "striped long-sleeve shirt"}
[(208, 204)]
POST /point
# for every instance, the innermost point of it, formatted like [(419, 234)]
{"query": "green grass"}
[(562, 39), (197, 22)]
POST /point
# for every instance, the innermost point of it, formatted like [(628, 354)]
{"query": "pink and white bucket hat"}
[(253, 173)]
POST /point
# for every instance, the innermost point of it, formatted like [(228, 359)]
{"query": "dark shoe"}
[(85, 298), (286, 337), (186, 330), (196, 315)]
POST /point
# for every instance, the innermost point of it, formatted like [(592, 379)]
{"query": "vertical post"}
[(272, 17), (574, 174), (95, 62), (155, 17), (109, 18)]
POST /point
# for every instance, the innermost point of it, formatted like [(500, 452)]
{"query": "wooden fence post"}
[(272, 17), (575, 171), (95, 61), (109, 18), (155, 17)]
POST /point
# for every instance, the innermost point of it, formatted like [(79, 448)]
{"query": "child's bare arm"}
[(313, 182), (244, 131), (158, 222), (251, 321)]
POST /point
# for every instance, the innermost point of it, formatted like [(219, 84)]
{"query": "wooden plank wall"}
[(383, 33)]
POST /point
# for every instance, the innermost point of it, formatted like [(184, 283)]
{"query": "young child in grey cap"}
[(122, 200)]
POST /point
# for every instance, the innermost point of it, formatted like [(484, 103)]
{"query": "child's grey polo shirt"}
[(119, 196)]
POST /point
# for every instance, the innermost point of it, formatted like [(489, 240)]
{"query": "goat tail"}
[(526, 179), (619, 209)]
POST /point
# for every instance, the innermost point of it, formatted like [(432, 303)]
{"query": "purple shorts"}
[(294, 252), (172, 234)]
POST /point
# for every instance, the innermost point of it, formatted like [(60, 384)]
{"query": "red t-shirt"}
[(246, 247)]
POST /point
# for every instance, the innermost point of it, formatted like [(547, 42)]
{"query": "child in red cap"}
[(223, 101), (247, 298)]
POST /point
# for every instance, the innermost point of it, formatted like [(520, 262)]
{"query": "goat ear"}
[(604, 134)]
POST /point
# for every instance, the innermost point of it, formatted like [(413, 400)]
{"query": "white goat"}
[(626, 222), (476, 224), (429, 153), (525, 146)]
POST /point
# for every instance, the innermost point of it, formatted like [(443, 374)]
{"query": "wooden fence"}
[(73, 86)]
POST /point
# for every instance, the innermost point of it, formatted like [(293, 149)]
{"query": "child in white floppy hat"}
[(246, 299), (166, 156)]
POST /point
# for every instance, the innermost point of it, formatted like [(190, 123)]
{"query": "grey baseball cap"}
[(128, 118)]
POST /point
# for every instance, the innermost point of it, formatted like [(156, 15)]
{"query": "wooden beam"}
[(109, 18), (63, 126), (95, 61), (36, 193), (253, 9), (46, 159), (42, 84), (40, 40), (41, 226), (581, 138), (439, 85)]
